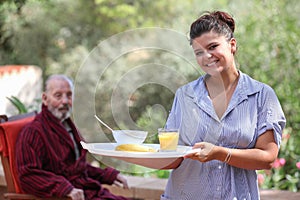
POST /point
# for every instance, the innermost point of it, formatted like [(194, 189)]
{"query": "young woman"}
[(233, 122)]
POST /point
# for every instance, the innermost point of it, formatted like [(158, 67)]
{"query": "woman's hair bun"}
[(225, 18)]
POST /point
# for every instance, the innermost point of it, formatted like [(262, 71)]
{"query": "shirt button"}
[(220, 167)]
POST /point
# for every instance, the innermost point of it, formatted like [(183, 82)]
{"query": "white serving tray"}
[(155, 160)]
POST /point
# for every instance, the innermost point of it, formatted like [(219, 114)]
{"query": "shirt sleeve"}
[(33, 179), (270, 116)]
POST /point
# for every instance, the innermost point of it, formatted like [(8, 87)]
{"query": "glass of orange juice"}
[(168, 139)]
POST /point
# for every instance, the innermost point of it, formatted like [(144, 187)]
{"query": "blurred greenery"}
[(58, 35), (18, 104)]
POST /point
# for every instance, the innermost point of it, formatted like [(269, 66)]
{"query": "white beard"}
[(60, 115)]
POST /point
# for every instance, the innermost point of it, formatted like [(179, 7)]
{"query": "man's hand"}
[(121, 181), (76, 194)]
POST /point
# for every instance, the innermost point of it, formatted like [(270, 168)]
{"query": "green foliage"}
[(163, 173), (153, 118), (22, 108), (285, 174), (18, 104), (270, 54)]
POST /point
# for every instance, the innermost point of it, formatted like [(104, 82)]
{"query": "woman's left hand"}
[(205, 153)]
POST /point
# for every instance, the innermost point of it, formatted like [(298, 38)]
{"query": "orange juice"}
[(168, 139)]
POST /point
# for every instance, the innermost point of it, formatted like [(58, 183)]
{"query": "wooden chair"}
[(9, 131)]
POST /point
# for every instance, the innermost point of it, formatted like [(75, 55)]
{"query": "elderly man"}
[(50, 159)]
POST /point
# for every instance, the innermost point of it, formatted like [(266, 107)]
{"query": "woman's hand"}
[(203, 151), (260, 157), (121, 181)]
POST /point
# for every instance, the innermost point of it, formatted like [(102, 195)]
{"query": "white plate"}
[(155, 160)]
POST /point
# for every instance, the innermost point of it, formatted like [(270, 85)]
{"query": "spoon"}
[(103, 123)]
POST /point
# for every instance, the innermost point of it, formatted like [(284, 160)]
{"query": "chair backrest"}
[(9, 132)]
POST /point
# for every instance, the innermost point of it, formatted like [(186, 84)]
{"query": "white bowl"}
[(129, 136)]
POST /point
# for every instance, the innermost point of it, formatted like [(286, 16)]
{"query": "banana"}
[(134, 148)]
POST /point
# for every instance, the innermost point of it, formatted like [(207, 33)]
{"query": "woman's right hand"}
[(76, 194), (204, 154)]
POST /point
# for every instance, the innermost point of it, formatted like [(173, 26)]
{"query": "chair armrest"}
[(15, 196), (18, 196)]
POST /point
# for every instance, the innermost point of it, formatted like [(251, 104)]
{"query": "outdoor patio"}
[(151, 188)]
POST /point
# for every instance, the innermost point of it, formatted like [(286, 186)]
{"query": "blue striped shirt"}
[(254, 108)]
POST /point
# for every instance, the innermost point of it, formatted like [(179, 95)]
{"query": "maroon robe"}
[(47, 164)]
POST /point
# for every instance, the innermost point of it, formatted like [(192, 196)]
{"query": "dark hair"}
[(217, 21)]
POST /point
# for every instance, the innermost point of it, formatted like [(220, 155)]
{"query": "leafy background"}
[(57, 35)]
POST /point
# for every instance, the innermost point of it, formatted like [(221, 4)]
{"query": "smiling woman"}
[(214, 52), (236, 121)]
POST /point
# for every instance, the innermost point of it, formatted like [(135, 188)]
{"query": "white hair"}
[(58, 77)]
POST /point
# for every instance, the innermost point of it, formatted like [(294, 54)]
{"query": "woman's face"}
[(214, 53)]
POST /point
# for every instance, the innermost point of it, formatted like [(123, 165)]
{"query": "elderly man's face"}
[(58, 98)]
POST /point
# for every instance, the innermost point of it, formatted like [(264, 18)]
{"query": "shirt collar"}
[(198, 92), (246, 86)]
